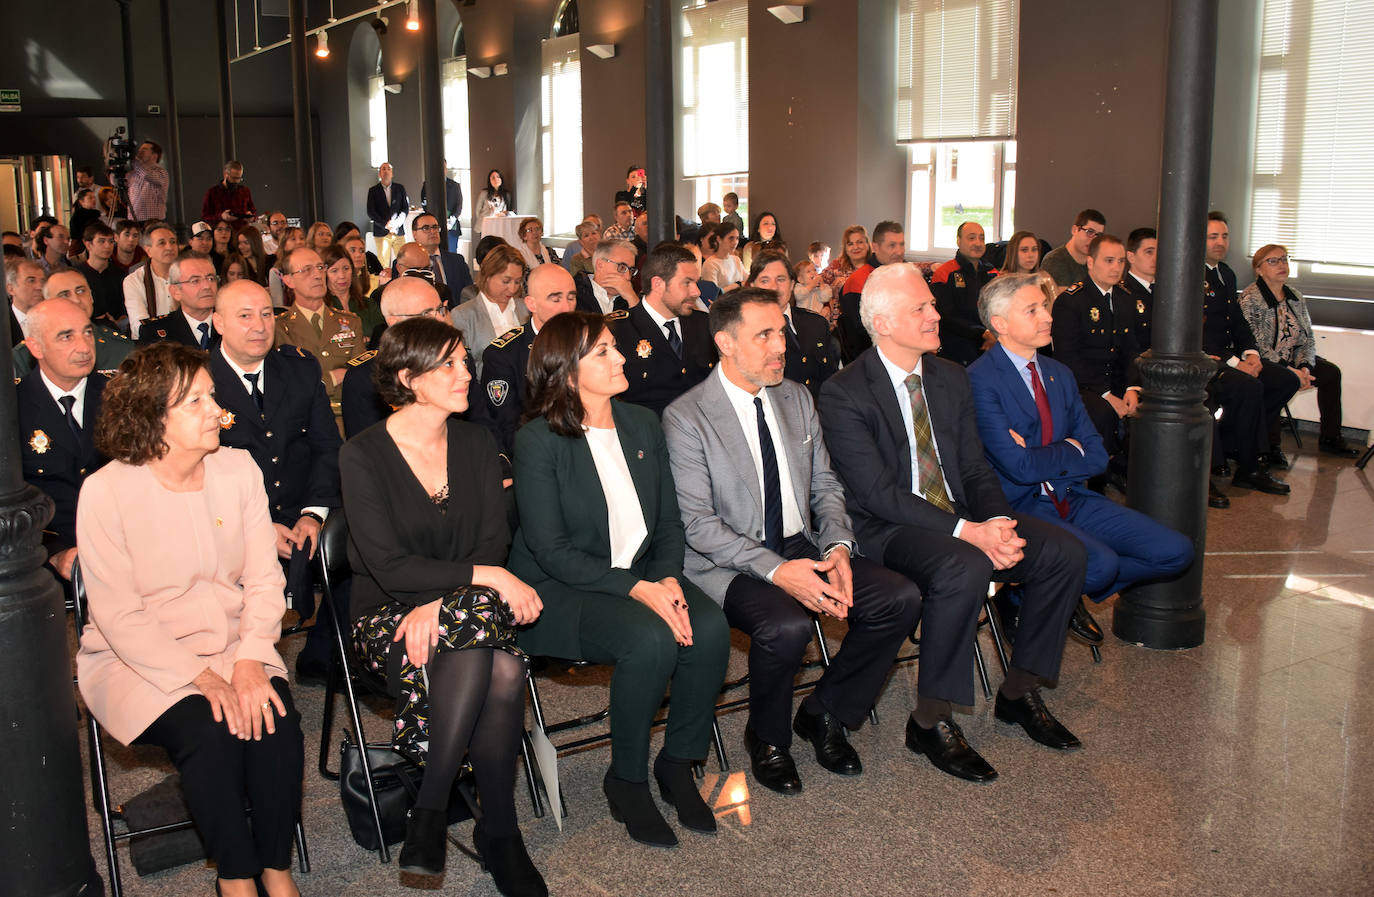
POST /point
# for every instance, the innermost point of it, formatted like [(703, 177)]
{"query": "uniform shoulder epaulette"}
[(158, 318), (107, 373), (619, 314), (505, 339), (363, 358), (291, 351), (1074, 288), (281, 311)]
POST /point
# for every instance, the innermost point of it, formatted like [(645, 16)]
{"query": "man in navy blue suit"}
[(899, 424), (1040, 440), (450, 268)]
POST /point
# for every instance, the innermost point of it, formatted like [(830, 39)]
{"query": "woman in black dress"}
[(432, 606)]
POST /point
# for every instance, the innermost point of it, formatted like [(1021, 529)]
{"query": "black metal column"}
[(300, 96), (226, 91), (44, 843), (432, 120), (659, 110), (126, 30), (1171, 440), (173, 123)]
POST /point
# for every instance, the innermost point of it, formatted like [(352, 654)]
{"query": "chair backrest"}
[(333, 553), (78, 597)]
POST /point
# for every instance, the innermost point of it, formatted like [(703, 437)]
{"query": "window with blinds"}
[(956, 70), (376, 119), (561, 134), (715, 89), (1314, 146), (457, 149)]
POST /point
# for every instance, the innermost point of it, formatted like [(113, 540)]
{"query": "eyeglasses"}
[(308, 268), (1091, 232), (1277, 260), (622, 268), (428, 228), (199, 279), (437, 311)]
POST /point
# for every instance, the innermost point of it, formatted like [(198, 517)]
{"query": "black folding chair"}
[(100, 784)]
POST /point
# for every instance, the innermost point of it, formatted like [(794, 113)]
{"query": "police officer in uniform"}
[(956, 285), (1138, 285), (667, 348), (59, 403), (1094, 335), (550, 291), (111, 346), (191, 282), (334, 337)]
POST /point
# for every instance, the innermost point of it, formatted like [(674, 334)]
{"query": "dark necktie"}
[(772, 486), (253, 389), (437, 265), (932, 479), (675, 341), (67, 403), (1042, 404), (204, 329), (792, 334)]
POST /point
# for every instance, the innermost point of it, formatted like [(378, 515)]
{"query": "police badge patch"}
[(1094, 314), (644, 349), (959, 281), (497, 391), (226, 419), (1140, 306), (39, 442)]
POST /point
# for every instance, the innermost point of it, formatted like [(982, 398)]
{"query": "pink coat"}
[(177, 582)]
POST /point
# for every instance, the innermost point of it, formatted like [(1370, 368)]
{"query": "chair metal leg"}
[(1097, 653), (331, 688), (531, 779), (720, 746), (100, 794), (996, 629), (982, 667), (302, 852), (1292, 428), (1364, 459), (537, 711)]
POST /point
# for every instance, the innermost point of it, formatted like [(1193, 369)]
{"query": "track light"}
[(322, 44), (379, 25), (413, 15)]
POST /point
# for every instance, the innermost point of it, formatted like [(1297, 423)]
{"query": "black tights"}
[(476, 709)]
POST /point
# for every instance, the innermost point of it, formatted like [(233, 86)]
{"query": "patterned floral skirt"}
[(469, 617)]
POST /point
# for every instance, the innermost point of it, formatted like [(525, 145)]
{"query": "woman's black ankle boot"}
[(679, 788), (426, 842), (632, 804), (512, 870)]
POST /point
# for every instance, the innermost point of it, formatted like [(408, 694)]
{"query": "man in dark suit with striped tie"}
[(900, 426)]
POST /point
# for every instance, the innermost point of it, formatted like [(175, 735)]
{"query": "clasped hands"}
[(420, 627), (245, 703), (997, 539), (290, 539), (824, 586)]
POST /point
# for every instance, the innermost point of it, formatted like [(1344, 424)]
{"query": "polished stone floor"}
[(1244, 766)]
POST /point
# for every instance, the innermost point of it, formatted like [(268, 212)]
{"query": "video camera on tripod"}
[(119, 157)]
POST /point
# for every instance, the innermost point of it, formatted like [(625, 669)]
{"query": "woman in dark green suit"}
[(601, 541)]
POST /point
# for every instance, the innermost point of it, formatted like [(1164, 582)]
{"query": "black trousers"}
[(953, 575), (1328, 377), (1280, 384), (1242, 428), (886, 608), (218, 771)]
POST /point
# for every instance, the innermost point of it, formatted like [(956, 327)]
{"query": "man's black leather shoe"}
[(1082, 625), (1276, 459), (1261, 480), (772, 765), (1222, 470), (947, 749), (1338, 447), (1030, 713), (1007, 613), (826, 734), (1216, 498)]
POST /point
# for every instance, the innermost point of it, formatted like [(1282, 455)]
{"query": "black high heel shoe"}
[(426, 842), (512, 870), (631, 803), (678, 787)]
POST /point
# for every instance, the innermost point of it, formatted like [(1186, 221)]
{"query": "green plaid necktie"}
[(932, 483)]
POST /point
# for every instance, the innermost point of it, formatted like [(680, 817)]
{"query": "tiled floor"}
[(1243, 766)]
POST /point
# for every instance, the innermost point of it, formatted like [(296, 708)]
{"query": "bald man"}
[(111, 346), (413, 260), (59, 403), (550, 291), (402, 298)]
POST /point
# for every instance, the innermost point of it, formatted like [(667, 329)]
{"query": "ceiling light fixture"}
[(322, 44), (413, 15)]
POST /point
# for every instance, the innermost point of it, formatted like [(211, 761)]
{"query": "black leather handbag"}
[(396, 782)]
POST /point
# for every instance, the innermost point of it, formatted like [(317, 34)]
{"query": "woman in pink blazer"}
[(185, 595)]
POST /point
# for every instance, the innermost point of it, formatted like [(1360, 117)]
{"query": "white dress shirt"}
[(743, 403), (624, 513), (662, 323), (136, 298), (501, 321), (898, 377), (603, 298)]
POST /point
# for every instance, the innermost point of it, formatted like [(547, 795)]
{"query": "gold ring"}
[(266, 704)]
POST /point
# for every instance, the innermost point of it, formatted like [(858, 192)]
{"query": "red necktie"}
[(1042, 404)]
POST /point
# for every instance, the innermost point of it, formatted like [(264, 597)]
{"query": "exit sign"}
[(9, 100)]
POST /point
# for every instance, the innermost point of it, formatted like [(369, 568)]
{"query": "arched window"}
[(457, 146), (560, 90), (376, 114)]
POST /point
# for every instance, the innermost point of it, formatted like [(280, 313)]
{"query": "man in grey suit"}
[(769, 538)]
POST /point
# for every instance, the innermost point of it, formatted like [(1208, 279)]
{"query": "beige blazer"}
[(177, 583)]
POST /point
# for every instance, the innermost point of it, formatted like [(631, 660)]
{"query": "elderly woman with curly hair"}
[(186, 599)]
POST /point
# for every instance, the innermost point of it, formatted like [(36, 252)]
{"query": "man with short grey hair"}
[(24, 284), (610, 287), (900, 426), (193, 283), (147, 290)]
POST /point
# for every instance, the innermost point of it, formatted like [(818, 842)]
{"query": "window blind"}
[(561, 135), (956, 70), (1314, 146), (715, 88)]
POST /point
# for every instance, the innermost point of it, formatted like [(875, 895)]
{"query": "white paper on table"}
[(546, 757)]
